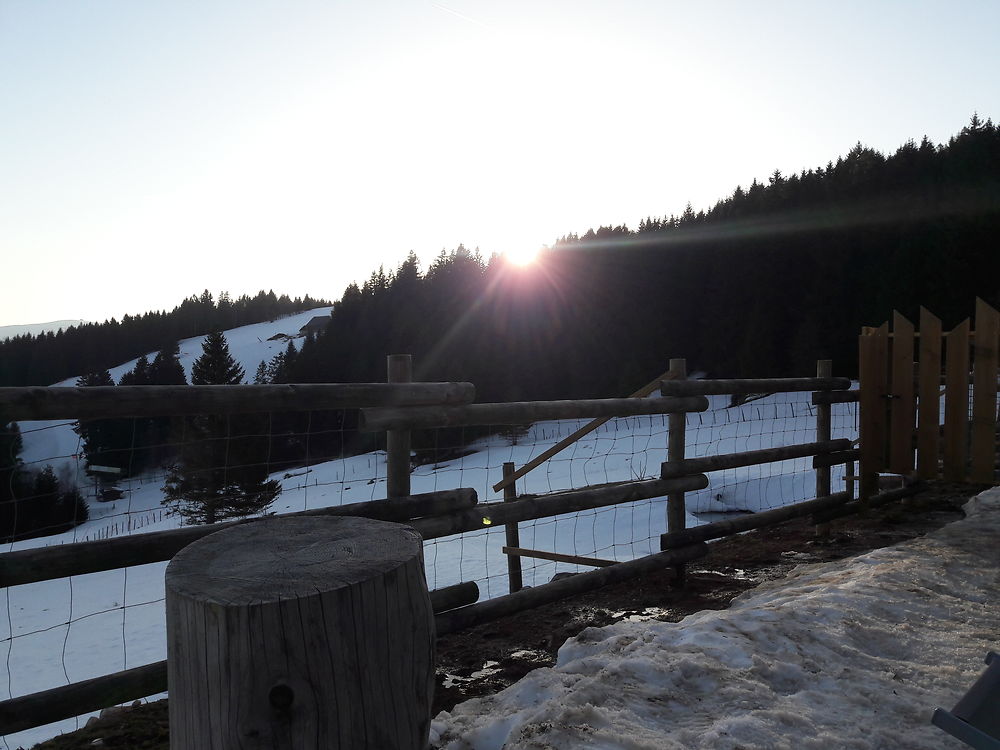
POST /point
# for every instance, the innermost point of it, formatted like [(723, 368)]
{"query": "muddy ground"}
[(489, 657)]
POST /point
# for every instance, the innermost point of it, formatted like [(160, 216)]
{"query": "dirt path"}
[(487, 658)]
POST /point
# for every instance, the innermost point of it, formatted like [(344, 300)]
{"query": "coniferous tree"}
[(222, 470), (166, 368), (108, 442), (161, 432)]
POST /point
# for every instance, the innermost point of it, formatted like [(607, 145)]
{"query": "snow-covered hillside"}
[(55, 443)]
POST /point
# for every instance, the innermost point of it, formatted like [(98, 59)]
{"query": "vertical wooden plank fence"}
[(959, 450)]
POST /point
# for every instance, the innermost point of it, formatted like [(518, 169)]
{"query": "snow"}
[(853, 654)]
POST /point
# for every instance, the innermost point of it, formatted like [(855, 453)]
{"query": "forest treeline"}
[(772, 277), (764, 283), (50, 357)]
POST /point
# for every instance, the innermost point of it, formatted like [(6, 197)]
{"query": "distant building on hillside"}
[(315, 326)]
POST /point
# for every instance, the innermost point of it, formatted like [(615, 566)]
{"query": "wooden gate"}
[(901, 414)]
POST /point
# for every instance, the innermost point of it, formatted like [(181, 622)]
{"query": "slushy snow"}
[(852, 654)]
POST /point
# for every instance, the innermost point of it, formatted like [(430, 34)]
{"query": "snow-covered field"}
[(73, 629), (853, 654)]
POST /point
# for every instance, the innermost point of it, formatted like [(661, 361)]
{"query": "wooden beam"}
[(744, 385), (719, 529), (466, 617), (956, 402), (836, 458), (594, 562), (836, 397), (929, 398), (875, 501), (546, 506), (706, 464), (521, 412), (567, 441), (58, 561), (104, 402), (984, 398)]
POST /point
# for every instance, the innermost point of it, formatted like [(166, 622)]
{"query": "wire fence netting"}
[(61, 489)]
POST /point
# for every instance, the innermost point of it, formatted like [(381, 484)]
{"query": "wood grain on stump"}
[(300, 633)]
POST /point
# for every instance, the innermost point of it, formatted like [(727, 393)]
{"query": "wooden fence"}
[(902, 372), (397, 408)]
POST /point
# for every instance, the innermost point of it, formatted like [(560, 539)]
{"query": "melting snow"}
[(853, 654)]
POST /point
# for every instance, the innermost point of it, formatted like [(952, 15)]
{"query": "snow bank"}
[(853, 654)]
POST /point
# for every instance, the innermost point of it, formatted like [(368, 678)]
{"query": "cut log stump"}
[(300, 633)]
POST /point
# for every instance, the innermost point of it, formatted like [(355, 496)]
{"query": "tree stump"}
[(300, 633)]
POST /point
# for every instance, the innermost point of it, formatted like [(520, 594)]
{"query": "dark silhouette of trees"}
[(52, 357), (221, 471)]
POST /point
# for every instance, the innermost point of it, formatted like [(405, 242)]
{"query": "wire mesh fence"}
[(70, 629)]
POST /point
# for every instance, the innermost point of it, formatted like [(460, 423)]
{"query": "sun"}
[(522, 256)]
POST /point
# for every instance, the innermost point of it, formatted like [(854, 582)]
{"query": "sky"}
[(296, 146)]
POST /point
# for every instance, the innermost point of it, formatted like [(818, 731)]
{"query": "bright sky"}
[(149, 150)]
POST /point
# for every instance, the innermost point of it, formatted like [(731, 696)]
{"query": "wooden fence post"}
[(513, 537), (676, 512), (397, 442), (824, 429), (304, 633)]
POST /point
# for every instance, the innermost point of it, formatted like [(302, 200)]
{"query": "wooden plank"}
[(594, 562), (100, 402), (872, 352), (751, 385), (929, 397), (956, 402), (521, 412), (903, 405), (984, 399), (58, 561), (567, 441)]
